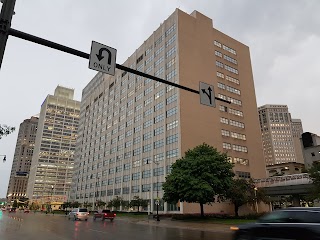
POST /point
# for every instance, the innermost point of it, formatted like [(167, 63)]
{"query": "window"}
[(110, 181), (110, 192), (136, 176), (146, 173), (171, 40), (171, 112), (233, 90), (128, 144), (136, 151), (158, 41), (170, 30), (220, 75), (157, 186), (126, 178), (159, 72), (217, 53), (117, 191), (146, 187), (160, 60), (125, 190), (239, 148), (226, 145), (157, 52), (243, 174), (158, 144), (221, 86), (171, 74), (147, 148), (172, 139), (224, 120), (225, 133), (148, 112), (158, 171), (171, 99), (159, 94), (118, 180), (171, 63), (236, 124), (172, 153), (136, 163), (126, 166), (229, 49), (241, 161), (230, 69), (230, 59), (137, 129), (148, 90), (219, 64), (171, 52), (158, 131), (158, 106), (236, 112), (217, 43), (159, 118), (135, 189), (147, 135), (138, 97), (119, 169), (223, 108), (148, 123), (172, 125)]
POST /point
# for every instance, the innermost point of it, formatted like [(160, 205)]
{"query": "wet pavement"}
[(30, 226)]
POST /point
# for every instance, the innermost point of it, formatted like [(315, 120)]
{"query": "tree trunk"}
[(236, 210), (201, 210)]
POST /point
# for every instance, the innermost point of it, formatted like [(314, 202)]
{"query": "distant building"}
[(53, 157), (285, 169), (311, 148), (17, 186), (280, 135), (132, 129)]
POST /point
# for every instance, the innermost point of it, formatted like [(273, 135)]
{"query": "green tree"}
[(198, 177), (100, 203), (75, 204), (5, 130), (34, 206), (66, 205), (125, 204), (115, 202), (243, 192), (87, 204), (138, 202), (314, 174), (15, 204)]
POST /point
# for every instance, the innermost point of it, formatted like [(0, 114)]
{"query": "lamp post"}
[(255, 198), (157, 201), (51, 198)]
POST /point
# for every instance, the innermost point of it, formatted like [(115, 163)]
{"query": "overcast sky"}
[(283, 37)]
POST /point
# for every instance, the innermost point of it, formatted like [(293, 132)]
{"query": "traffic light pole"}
[(6, 14)]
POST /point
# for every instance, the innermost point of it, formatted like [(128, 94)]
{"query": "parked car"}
[(26, 210), (104, 214), (12, 210), (79, 214), (291, 223)]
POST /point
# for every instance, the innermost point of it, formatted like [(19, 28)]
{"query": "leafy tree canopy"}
[(5, 130), (138, 202), (199, 176), (314, 174)]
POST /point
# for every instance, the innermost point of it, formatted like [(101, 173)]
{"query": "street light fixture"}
[(51, 198), (255, 198)]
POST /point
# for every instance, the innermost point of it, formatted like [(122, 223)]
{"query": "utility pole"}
[(7, 11)]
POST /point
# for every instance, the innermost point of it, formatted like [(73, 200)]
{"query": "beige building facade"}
[(53, 157), (17, 186), (132, 129), (280, 135)]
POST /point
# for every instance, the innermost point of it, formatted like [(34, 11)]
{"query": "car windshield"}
[(292, 216), (275, 217), (83, 210)]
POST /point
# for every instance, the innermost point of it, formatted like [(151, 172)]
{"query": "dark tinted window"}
[(275, 217), (105, 211), (83, 210), (306, 216)]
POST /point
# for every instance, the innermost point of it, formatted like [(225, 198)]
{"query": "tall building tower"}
[(22, 159), (53, 157), (132, 128), (280, 135)]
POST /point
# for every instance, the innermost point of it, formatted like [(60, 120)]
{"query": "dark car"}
[(291, 223), (104, 214)]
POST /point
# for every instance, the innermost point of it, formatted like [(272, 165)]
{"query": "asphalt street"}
[(30, 226)]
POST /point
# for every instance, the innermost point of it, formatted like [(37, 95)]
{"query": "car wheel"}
[(94, 218), (111, 219)]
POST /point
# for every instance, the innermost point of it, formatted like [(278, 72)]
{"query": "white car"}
[(79, 214)]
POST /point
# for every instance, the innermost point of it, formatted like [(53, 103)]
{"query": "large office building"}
[(22, 160), (132, 129), (53, 156), (280, 135)]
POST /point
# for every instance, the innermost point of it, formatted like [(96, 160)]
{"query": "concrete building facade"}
[(17, 186), (132, 129), (280, 135), (53, 157), (311, 148)]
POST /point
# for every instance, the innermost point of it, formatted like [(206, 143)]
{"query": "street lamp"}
[(157, 201), (51, 198), (255, 198), (4, 158)]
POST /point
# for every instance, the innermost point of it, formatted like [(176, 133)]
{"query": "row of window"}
[(225, 57), (228, 88), (227, 133), (232, 122), (232, 111), (226, 67), (232, 100), (224, 47), (235, 147)]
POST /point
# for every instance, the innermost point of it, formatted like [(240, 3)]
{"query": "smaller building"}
[(311, 148), (284, 169)]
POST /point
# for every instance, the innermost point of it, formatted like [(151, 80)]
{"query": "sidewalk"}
[(167, 222)]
